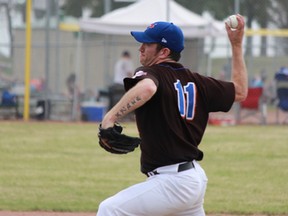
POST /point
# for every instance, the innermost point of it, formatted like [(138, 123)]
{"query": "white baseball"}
[(232, 21)]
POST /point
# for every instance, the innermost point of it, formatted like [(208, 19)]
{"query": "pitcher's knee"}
[(106, 209)]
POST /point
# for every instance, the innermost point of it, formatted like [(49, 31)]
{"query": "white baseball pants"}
[(167, 194)]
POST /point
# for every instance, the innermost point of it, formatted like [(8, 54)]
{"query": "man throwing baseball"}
[(172, 105)]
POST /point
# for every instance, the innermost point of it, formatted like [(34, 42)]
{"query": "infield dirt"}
[(10, 213)]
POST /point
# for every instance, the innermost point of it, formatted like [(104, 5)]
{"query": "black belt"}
[(185, 166), (181, 167)]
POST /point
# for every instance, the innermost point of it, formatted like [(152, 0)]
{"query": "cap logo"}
[(164, 40), (151, 25)]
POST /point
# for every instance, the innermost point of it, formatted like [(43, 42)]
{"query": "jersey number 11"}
[(186, 99)]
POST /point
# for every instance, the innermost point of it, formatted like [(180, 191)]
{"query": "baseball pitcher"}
[(172, 106)]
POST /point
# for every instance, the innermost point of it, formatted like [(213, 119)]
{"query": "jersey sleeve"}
[(220, 94), (140, 74)]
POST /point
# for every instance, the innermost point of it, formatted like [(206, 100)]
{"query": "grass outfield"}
[(60, 167)]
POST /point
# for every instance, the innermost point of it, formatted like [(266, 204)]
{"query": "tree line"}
[(264, 12)]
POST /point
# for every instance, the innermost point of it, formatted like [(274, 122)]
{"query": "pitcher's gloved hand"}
[(114, 142)]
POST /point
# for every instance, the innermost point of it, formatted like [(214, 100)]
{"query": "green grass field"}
[(60, 167)]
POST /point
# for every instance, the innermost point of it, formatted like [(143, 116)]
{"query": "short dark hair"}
[(126, 53), (173, 55)]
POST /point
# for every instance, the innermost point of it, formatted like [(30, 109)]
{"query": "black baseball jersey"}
[(172, 123)]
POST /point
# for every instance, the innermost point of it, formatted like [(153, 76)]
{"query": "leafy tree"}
[(262, 11), (263, 20), (252, 9), (218, 9), (75, 7), (278, 15)]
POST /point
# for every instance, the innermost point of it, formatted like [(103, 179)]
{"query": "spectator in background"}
[(70, 83), (8, 98), (74, 91), (123, 68), (37, 84), (257, 81)]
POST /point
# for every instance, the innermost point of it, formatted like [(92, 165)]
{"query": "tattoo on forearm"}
[(126, 108)]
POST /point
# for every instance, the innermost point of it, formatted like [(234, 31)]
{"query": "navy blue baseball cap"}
[(165, 33)]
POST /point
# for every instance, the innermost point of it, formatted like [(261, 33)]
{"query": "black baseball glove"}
[(114, 142)]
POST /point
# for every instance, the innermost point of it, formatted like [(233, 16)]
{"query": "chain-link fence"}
[(91, 57)]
